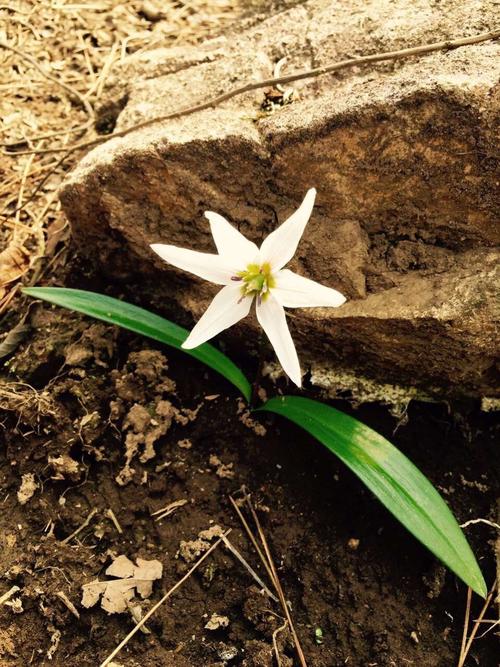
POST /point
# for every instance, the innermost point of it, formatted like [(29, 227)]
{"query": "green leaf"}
[(393, 478), (143, 322)]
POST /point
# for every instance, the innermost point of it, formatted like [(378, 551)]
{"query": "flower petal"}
[(294, 291), (280, 246), (227, 308), (230, 242), (272, 319), (214, 268)]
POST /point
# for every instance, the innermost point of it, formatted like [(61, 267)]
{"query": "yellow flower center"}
[(257, 280)]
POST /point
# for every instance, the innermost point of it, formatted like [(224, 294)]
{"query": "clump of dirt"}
[(84, 402)]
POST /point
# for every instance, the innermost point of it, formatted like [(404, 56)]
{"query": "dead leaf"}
[(14, 338), (121, 567), (57, 232), (116, 594), (14, 262)]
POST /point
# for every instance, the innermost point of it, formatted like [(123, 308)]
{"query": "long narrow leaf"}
[(392, 477), (143, 322)]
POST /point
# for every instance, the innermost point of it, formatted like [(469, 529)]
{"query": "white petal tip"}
[(187, 345), (311, 195)]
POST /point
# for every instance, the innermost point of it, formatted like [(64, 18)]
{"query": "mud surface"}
[(95, 419)]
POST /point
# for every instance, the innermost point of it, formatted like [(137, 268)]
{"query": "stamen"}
[(257, 280), (236, 278)]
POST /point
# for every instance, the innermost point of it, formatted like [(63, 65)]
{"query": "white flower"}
[(248, 272)]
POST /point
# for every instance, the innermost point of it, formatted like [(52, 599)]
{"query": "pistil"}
[(257, 280)]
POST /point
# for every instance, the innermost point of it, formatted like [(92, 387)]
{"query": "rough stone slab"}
[(402, 154)]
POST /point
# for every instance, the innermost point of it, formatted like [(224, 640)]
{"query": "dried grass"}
[(55, 60)]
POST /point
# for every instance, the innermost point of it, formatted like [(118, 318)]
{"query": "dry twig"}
[(67, 602), (466, 624), (466, 644), (275, 81), (254, 574), (252, 538), (471, 522), (289, 78), (267, 559), (6, 596), (89, 518), (275, 643), (112, 517), (277, 583)]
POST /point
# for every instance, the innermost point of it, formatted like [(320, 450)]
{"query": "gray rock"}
[(402, 154)]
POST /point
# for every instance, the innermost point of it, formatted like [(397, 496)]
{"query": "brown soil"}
[(87, 391), (76, 396)]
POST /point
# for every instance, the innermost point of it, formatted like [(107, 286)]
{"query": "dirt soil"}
[(93, 419), (96, 419)]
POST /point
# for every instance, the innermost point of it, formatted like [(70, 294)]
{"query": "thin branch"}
[(214, 101), (12, 591), (275, 643), (492, 627), (466, 626), (20, 194), (464, 653), (250, 569), (252, 539), (277, 584), (297, 76), (470, 522), (89, 518)]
